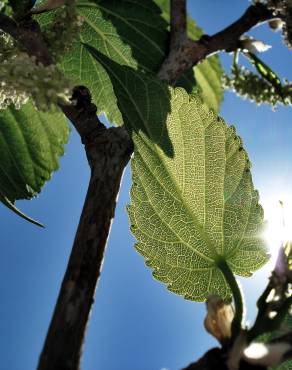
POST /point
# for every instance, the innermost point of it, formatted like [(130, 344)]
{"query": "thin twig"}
[(192, 52)]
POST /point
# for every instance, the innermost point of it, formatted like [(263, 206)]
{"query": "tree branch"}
[(213, 359), (189, 53), (108, 154), (178, 21)]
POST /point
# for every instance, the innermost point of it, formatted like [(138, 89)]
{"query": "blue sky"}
[(136, 323)]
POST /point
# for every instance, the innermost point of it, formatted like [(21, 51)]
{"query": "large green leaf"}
[(193, 200), (190, 210), (31, 143), (208, 73), (131, 33)]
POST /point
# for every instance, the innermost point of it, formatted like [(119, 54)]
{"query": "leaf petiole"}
[(236, 293)]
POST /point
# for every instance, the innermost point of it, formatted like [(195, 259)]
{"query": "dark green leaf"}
[(131, 33), (31, 143)]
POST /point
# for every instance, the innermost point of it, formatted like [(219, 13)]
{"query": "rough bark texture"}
[(108, 153)]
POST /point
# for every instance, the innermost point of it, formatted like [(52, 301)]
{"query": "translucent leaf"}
[(193, 199), (190, 209), (31, 143)]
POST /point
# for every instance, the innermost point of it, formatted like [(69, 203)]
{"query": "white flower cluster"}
[(249, 85), (22, 78)]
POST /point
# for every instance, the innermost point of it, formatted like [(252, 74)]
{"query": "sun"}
[(278, 214)]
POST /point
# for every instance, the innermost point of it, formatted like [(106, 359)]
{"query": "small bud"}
[(219, 318), (254, 46), (276, 24)]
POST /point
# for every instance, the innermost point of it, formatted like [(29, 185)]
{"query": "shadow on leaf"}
[(142, 98), (144, 27)]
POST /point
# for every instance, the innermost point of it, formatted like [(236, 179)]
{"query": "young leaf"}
[(287, 365), (191, 211), (30, 145), (13, 208)]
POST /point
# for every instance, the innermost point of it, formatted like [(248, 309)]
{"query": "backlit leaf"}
[(197, 206)]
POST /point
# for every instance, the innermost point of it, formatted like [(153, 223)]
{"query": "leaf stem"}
[(235, 60), (236, 292)]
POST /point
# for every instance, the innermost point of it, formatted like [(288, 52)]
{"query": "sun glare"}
[(278, 214)]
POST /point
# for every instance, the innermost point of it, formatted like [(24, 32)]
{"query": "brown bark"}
[(108, 155)]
